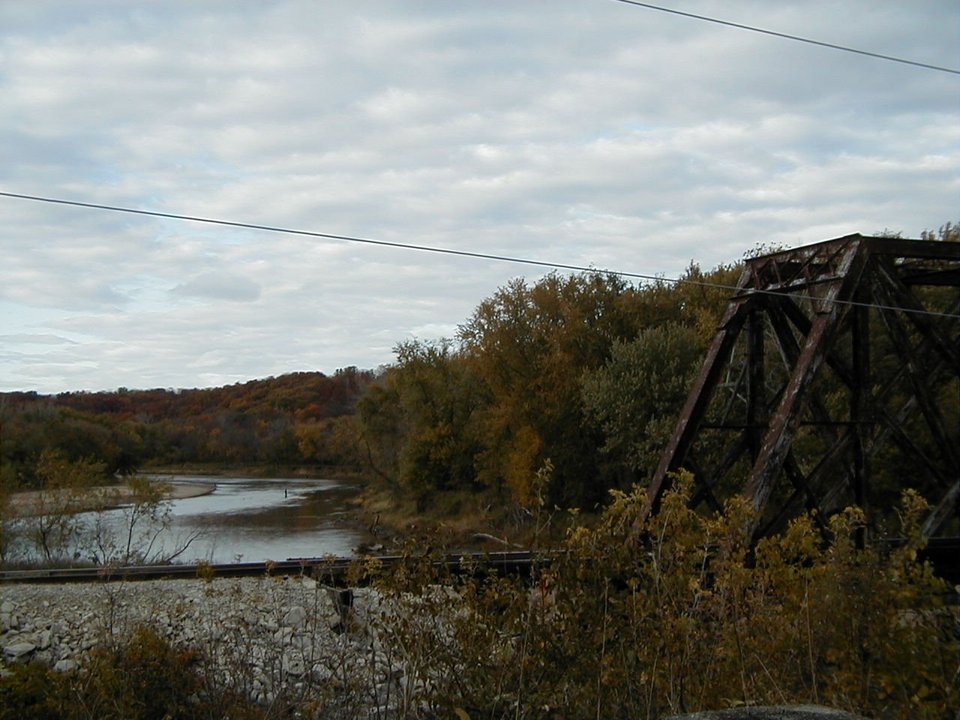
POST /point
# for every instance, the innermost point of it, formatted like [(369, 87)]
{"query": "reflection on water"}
[(242, 520), (255, 519)]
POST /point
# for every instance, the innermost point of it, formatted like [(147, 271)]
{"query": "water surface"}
[(242, 520), (253, 519)]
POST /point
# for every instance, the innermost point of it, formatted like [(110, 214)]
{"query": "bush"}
[(141, 677), (646, 617), (32, 692), (635, 617)]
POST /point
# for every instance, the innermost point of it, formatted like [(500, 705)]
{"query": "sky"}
[(588, 133)]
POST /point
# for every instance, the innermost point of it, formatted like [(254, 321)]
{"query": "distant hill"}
[(296, 419)]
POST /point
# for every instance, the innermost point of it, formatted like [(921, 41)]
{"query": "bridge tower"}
[(833, 379)]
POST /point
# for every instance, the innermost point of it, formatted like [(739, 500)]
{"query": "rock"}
[(18, 650), (283, 635), (65, 665), (293, 665), (774, 712), (296, 617)]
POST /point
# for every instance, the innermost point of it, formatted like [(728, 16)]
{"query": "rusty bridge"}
[(833, 380)]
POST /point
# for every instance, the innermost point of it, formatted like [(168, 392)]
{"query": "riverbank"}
[(265, 472), (460, 521), (29, 503)]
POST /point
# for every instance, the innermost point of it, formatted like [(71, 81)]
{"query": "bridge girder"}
[(832, 361)]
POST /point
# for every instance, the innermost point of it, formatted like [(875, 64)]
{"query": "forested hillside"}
[(296, 419)]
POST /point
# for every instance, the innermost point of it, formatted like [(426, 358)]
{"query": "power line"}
[(309, 233), (787, 36), (445, 251)]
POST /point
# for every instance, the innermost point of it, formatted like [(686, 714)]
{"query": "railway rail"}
[(942, 553), (332, 570)]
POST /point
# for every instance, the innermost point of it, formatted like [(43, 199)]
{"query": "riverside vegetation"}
[(554, 395), (635, 617)]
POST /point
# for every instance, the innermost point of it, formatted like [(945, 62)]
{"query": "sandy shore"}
[(32, 502)]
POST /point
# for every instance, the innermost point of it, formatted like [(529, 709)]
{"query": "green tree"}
[(418, 424), (636, 396)]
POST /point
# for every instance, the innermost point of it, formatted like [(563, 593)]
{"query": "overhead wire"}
[(519, 260), (449, 251), (788, 36)]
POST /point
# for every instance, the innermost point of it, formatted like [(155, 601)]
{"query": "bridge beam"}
[(867, 338)]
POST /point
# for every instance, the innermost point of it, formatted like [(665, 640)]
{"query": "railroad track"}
[(942, 553), (331, 570)]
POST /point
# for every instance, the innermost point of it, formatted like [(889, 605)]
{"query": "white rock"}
[(293, 665), (283, 635), (18, 650), (65, 665), (296, 617)]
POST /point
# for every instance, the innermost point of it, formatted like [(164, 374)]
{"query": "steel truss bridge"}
[(833, 380)]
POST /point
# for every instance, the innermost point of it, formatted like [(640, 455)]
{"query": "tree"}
[(418, 424), (636, 396), (53, 526), (530, 345)]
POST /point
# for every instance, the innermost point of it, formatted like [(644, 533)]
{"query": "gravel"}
[(263, 635)]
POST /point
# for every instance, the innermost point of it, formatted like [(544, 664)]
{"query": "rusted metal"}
[(839, 355)]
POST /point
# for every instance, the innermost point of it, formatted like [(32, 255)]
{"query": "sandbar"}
[(38, 502)]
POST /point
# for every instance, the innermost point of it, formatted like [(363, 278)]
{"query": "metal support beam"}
[(835, 347)]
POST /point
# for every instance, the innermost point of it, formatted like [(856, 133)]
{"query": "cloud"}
[(36, 339), (219, 286), (579, 133)]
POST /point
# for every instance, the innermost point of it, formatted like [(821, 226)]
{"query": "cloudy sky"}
[(579, 132)]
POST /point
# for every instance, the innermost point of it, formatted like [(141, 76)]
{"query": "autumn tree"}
[(419, 423), (530, 345)]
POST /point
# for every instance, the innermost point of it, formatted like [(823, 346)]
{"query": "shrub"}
[(636, 616), (646, 617), (140, 677), (32, 692)]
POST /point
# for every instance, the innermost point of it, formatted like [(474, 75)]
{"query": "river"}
[(242, 520)]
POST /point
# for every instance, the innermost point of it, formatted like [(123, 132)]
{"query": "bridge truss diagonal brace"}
[(703, 390), (815, 303), (776, 442)]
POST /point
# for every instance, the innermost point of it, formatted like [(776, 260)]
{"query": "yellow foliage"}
[(521, 466), (649, 616)]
